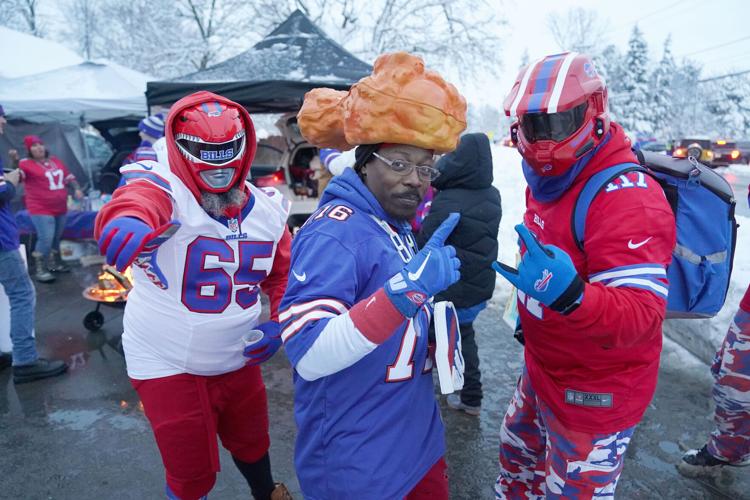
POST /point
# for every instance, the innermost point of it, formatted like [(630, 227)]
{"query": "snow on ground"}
[(701, 337)]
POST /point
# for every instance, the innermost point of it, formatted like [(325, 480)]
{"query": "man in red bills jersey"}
[(203, 241), (591, 316)]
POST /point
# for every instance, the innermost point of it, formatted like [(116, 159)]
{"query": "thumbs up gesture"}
[(432, 270), (546, 273)]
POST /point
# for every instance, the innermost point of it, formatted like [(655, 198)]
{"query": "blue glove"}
[(125, 238), (546, 273), (432, 270), (262, 350)]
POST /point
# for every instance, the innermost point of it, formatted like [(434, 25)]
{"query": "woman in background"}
[(46, 179)]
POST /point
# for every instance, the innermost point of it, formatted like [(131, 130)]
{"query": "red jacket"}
[(45, 186), (597, 367)]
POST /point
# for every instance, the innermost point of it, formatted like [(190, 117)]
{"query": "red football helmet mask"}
[(560, 106), (212, 138)]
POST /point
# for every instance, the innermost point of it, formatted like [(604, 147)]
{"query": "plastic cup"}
[(252, 337)]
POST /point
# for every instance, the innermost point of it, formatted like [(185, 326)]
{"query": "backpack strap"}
[(593, 185)]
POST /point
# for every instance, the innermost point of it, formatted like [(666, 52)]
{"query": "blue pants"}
[(49, 229), (20, 291)]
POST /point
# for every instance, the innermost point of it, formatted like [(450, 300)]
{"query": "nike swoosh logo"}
[(370, 302), (415, 276), (633, 246), (300, 277)]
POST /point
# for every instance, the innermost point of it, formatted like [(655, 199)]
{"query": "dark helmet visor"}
[(554, 126), (213, 153)]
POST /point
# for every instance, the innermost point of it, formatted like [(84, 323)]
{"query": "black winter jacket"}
[(465, 186)]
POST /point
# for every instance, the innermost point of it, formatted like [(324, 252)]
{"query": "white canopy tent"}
[(22, 54), (85, 92)]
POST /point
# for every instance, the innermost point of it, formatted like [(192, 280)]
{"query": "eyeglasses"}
[(425, 173)]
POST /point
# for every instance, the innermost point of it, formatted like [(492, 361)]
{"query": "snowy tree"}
[(164, 38), (578, 30), (461, 38), (609, 64), (729, 106), (631, 101), (689, 115), (83, 18), (524, 58), (22, 15), (661, 93)]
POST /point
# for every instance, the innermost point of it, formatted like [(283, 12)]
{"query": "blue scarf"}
[(546, 188)]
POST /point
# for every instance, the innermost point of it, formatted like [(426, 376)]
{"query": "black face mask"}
[(553, 127), (210, 152)]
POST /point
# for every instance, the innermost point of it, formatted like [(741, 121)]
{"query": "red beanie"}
[(30, 140)]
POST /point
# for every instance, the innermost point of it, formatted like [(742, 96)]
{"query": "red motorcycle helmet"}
[(560, 107), (212, 138)]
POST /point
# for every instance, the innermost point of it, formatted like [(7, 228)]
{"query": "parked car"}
[(744, 148), (725, 152), (700, 149), (284, 163)]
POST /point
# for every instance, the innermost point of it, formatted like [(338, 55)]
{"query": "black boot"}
[(39, 369), (6, 360), (55, 263)]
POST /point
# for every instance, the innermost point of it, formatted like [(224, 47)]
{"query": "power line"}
[(721, 77), (731, 42), (627, 25)]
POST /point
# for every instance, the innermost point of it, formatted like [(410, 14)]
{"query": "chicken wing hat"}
[(400, 103)]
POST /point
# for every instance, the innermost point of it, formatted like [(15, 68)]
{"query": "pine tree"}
[(662, 101), (688, 98), (729, 106), (609, 66), (632, 100)]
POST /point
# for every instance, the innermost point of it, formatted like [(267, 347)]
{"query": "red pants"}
[(186, 413), (434, 484)]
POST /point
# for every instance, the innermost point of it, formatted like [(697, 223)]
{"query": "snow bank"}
[(701, 337)]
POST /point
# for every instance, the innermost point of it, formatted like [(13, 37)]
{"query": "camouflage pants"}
[(730, 441), (540, 458)]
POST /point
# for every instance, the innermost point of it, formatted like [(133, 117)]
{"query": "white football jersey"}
[(188, 313)]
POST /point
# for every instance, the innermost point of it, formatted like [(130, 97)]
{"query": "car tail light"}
[(275, 179), (734, 154), (679, 153)]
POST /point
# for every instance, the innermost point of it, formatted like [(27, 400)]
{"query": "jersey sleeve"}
[(275, 284), (142, 200), (628, 242), (324, 328)]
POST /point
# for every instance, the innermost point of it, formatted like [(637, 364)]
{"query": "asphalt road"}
[(739, 178), (84, 435)]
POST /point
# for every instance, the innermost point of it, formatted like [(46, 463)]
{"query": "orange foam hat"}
[(400, 103), (321, 118)]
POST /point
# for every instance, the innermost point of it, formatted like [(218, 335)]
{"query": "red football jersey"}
[(597, 367), (45, 185)]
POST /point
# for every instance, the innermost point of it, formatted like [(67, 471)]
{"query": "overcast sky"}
[(695, 25)]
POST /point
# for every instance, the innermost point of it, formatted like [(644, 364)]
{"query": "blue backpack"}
[(703, 205)]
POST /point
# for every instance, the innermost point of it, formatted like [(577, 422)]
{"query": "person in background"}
[(46, 179), (591, 314), (465, 186), (729, 443), (150, 130), (27, 365)]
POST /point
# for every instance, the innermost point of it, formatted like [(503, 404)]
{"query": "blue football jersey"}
[(368, 423)]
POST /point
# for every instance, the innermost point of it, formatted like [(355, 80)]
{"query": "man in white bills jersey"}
[(203, 242)]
